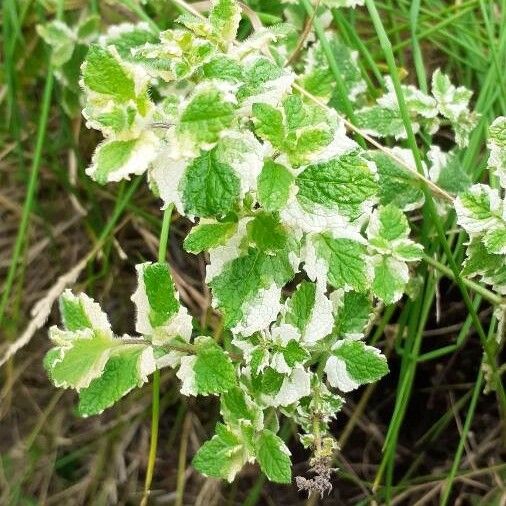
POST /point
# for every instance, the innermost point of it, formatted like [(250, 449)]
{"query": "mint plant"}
[(305, 230), (69, 45)]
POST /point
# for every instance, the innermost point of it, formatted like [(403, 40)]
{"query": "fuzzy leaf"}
[(224, 17), (396, 185), (269, 124), (103, 73), (205, 116), (159, 313), (353, 315), (115, 160), (82, 357)]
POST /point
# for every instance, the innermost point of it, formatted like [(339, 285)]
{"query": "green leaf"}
[(274, 185), (159, 313), (130, 36), (354, 313), (224, 17), (224, 68), (80, 312), (495, 241), (346, 262), (115, 160), (237, 406), (392, 224), (267, 233), (88, 28), (222, 456), (497, 145), (353, 363), (122, 373), (73, 313), (319, 78), (208, 235), (273, 457), (103, 73), (214, 371), (343, 183), (239, 282), (396, 185), (300, 305), (205, 116), (390, 279), (163, 304), (268, 381), (210, 187), (61, 39), (294, 353), (269, 124), (82, 358), (380, 121)]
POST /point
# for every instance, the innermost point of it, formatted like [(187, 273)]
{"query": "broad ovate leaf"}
[(353, 363), (274, 457), (209, 187), (346, 184), (224, 455), (126, 369), (208, 371)]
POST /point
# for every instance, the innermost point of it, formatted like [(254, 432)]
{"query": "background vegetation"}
[(426, 434)]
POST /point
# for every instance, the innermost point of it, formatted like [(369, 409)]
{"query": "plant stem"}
[(463, 438), (429, 202), (492, 297), (155, 403)]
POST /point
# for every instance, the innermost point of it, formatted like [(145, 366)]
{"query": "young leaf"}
[(115, 160), (159, 313), (208, 235), (267, 233), (207, 113), (61, 39), (104, 73), (269, 124), (274, 185), (224, 17), (223, 456)]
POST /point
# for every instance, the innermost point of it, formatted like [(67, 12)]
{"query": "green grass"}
[(405, 39)]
